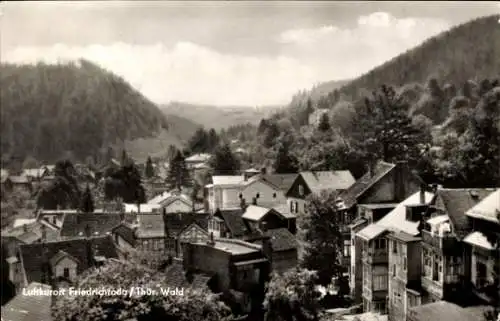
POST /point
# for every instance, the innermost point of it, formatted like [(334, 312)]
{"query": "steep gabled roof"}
[(456, 202), (281, 181), (29, 307), (352, 193), (234, 221), (255, 213), (320, 181), (487, 209), (125, 231), (176, 223), (59, 256), (35, 256), (75, 225)]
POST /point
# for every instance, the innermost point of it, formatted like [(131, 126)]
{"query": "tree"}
[(272, 132), (199, 142), (124, 183), (149, 171), (224, 162), (178, 174), (285, 163), (324, 123), (213, 140), (63, 191), (194, 305), (385, 131), (292, 296), (321, 237), (87, 201)]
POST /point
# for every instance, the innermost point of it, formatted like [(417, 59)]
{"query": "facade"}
[(404, 291), (307, 183), (224, 193)]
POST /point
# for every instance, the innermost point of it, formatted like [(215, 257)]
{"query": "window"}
[(379, 282), (435, 269), (380, 244), (274, 195), (240, 196), (291, 207), (301, 190), (66, 272), (258, 195), (404, 263), (394, 270), (394, 247), (347, 248)]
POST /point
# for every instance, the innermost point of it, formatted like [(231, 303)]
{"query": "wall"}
[(397, 298), (65, 263), (299, 208), (356, 270), (266, 194), (16, 274), (178, 206), (230, 198), (210, 260), (151, 244)]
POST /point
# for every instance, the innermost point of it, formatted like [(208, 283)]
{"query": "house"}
[(257, 216), (174, 202), (228, 224), (267, 190), (30, 307), (97, 224), (284, 248), (368, 200), (48, 262), (197, 159), (404, 274), (224, 192), (150, 232), (443, 311), (315, 116), (482, 247), (307, 183), (238, 266), (445, 268), (373, 248), (184, 228)]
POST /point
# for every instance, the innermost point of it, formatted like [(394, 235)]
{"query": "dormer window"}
[(301, 190)]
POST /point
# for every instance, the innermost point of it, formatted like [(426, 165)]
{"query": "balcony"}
[(445, 244)]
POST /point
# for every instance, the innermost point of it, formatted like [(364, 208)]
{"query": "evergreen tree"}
[(324, 123), (199, 142), (87, 201), (63, 191), (178, 174), (285, 163), (271, 134), (149, 171), (224, 162), (213, 140), (319, 232)]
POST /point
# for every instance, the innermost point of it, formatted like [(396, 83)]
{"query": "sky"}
[(226, 52)]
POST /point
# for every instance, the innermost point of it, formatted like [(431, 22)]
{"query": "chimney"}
[(422, 193), (254, 201), (399, 180), (243, 203), (263, 171)]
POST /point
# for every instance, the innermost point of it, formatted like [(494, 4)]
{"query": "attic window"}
[(301, 190)]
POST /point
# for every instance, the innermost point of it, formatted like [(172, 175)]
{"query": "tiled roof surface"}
[(255, 213), (479, 239), (395, 220), (176, 223), (442, 311), (236, 247), (35, 255), (404, 237), (234, 221), (282, 239), (456, 202), (328, 180), (29, 307), (150, 225), (75, 225), (228, 179), (352, 193), (487, 209), (371, 231), (281, 181)]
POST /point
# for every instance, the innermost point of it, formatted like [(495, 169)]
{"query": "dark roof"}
[(234, 221), (443, 311), (282, 181), (35, 255), (456, 202), (29, 307), (75, 225), (351, 195), (175, 276), (176, 223), (126, 231), (403, 237), (282, 239), (59, 256), (319, 181), (150, 225)]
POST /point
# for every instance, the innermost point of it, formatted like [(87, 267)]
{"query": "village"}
[(408, 251)]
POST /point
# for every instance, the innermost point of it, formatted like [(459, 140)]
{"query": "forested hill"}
[(48, 111), (469, 51)]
